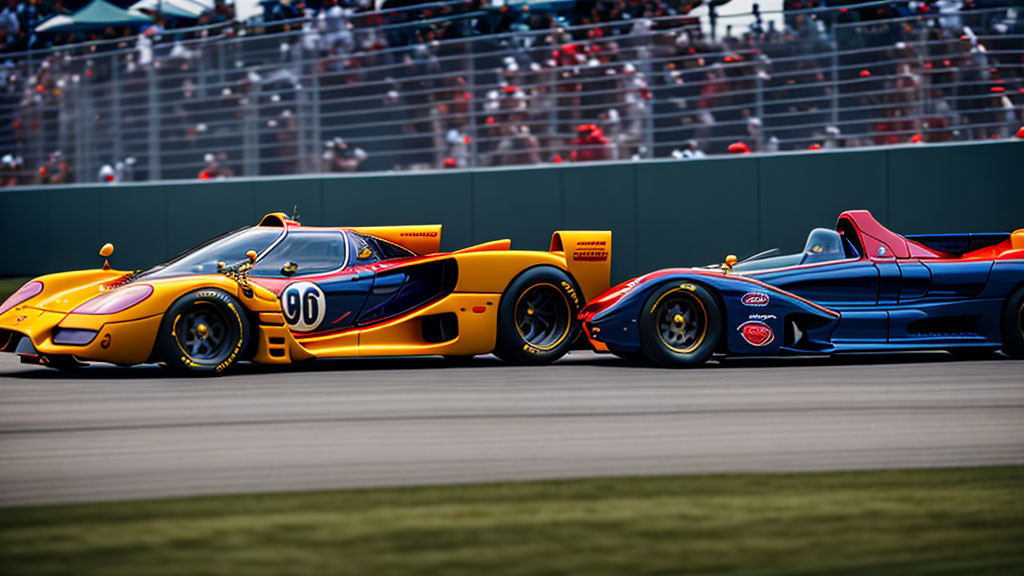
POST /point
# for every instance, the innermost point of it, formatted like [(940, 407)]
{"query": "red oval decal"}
[(756, 333), (755, 299)]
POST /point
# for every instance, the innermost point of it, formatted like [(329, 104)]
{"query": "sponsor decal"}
[(592, 243), (105, 343), (756, 299), (756, 333), (422, 234), (304, 306), (571, 292), (689, 287), (589, 255), (762, 317)]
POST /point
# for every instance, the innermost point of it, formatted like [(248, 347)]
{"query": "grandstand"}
[(464, 84)]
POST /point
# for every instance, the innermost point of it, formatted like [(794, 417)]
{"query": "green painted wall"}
[(664, 213)]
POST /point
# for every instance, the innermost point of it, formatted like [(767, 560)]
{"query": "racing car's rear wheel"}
[(203, 332), (680, 325), (1013, 325), (537, 317)]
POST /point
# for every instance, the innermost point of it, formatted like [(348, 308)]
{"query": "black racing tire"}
[(1013, 325), (537, 317), (189, 349), (680, 326)]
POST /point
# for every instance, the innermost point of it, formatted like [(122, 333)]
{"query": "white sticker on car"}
[(304, 306)]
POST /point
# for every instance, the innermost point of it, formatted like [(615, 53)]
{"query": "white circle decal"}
[(304, 306)]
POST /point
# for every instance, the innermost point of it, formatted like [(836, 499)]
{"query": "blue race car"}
[(857, 288)]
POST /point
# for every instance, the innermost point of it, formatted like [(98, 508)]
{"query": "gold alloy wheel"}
[(202, 333), (543, 316), (682, 321)]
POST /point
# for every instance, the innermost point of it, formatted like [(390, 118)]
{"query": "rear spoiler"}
[(959, 244), (588, 256)]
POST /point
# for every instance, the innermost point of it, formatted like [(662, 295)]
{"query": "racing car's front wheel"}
[(203, 333), (1013, 325), (537, 317), (680, 325)]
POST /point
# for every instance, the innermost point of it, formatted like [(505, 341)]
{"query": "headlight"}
[(30, 290), (115, 301)]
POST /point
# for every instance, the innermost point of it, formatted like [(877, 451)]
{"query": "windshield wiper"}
[(760, 255)]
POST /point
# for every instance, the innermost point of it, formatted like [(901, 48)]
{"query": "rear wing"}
[(588, 256)]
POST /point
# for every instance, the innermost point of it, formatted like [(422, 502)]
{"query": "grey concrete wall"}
[(661, 213)]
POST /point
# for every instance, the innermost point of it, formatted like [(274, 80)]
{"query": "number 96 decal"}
[(304, 306)]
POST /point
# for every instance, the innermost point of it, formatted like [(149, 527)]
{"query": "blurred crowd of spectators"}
[(339, 87)]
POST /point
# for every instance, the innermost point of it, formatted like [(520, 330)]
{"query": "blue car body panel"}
[(849, 304)]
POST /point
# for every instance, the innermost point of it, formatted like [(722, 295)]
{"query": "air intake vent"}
[(945, 326), (439, 328)]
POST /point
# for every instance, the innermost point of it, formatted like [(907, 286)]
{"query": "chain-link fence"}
[(338, 95)]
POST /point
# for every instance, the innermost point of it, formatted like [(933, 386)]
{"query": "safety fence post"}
[(115, 119), (154, 121), (471, 88)]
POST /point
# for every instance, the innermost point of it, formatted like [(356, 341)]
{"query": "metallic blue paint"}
[(852, 304)]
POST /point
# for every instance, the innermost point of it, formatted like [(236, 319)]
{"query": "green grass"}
[(9, 285), (966, 521)]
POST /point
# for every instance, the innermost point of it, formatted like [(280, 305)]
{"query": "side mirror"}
[(251, 256), (105, 252), (289, 269)]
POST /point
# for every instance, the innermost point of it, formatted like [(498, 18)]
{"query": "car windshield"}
[(229, 248), (823, 245)]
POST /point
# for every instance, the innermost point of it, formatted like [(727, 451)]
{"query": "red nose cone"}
[(916, 138), (109, 178), (449, 162), (1020, 133), (558, 157), (814, 147), (865, 73)]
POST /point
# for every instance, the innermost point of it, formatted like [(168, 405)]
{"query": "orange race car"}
[(295, 293)]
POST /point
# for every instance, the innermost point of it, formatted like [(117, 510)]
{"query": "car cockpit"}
[(823, 245)]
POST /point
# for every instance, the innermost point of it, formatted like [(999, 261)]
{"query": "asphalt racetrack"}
[(111, 433)]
